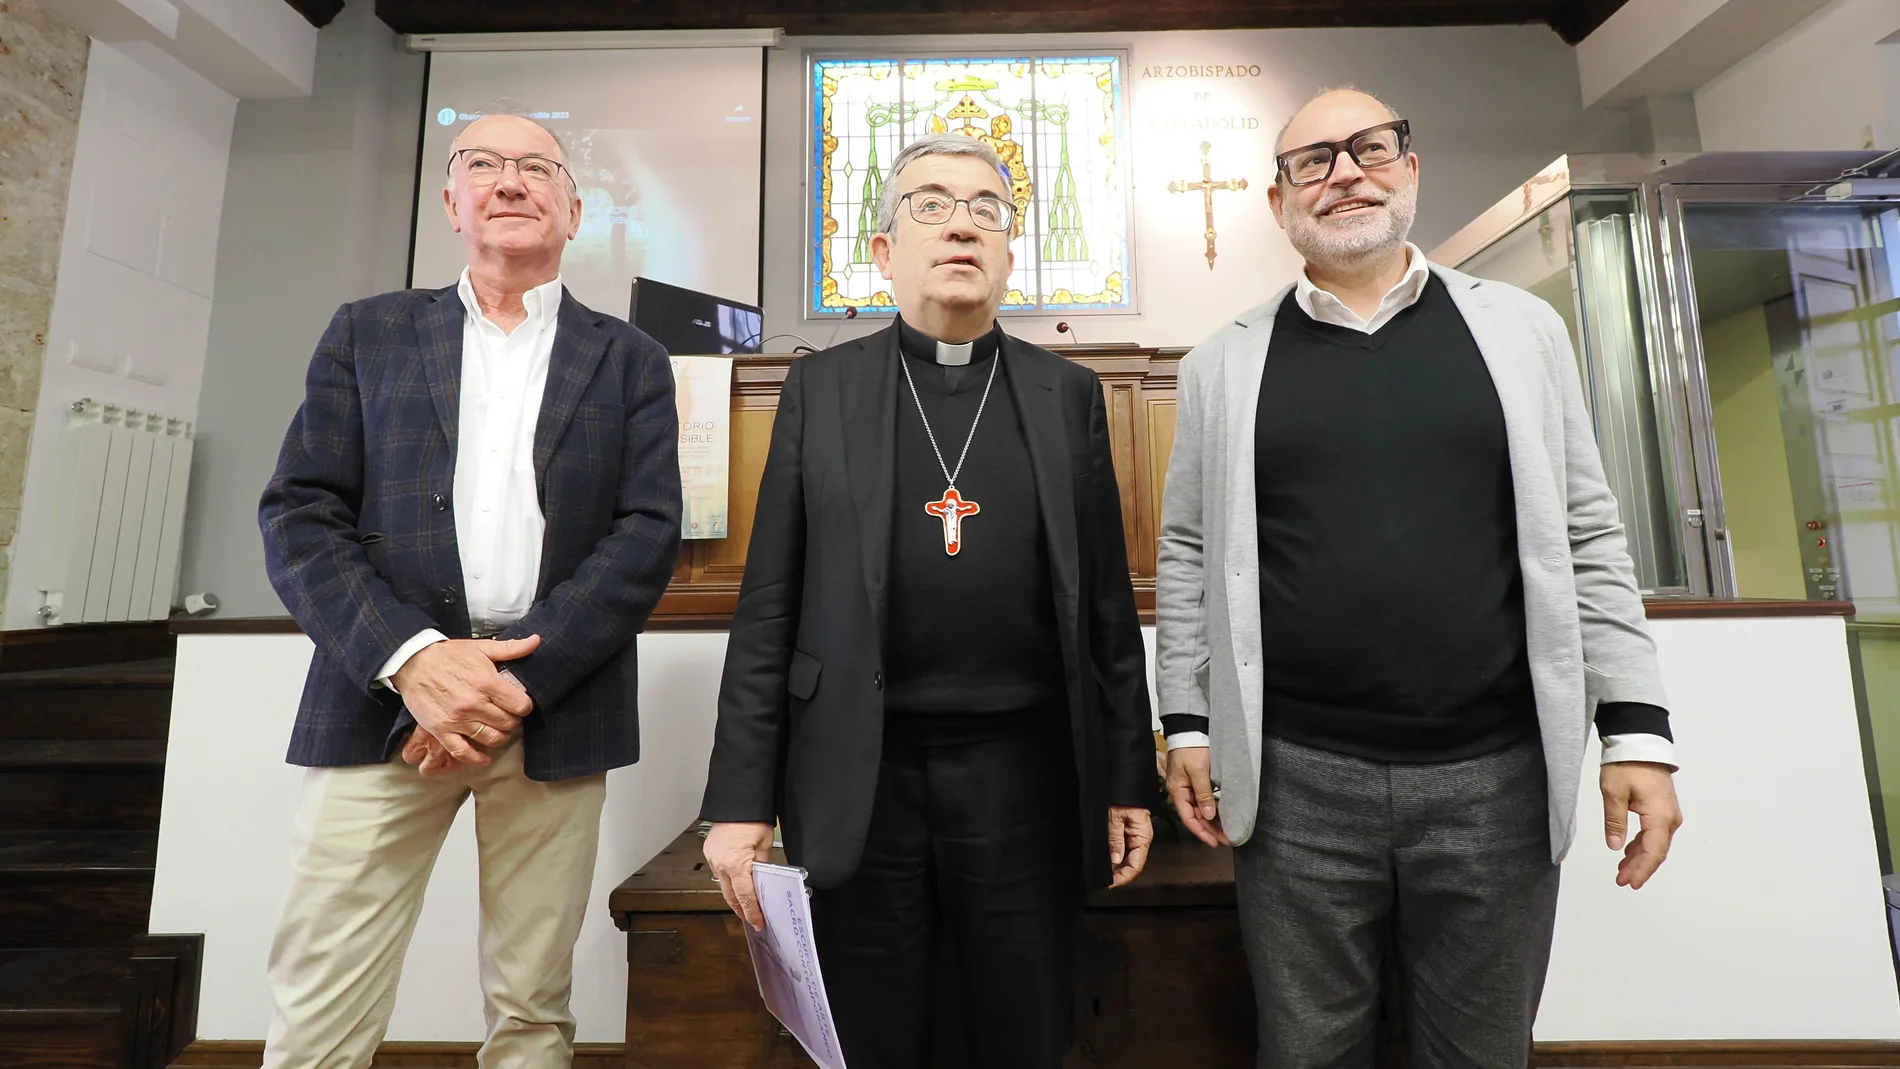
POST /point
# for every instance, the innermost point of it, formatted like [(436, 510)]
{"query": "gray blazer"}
[(1587, 636)]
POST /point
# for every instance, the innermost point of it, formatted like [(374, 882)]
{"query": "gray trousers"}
[(1453, 859)]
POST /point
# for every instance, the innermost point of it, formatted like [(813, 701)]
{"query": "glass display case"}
[(1737, 328)]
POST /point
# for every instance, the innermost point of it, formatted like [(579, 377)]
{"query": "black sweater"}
[(1392, 606)]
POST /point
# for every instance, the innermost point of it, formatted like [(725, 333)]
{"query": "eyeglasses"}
[(1371, 148), (485, 167), (935, 209)]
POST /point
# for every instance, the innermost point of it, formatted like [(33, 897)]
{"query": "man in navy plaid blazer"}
[(474, 512)]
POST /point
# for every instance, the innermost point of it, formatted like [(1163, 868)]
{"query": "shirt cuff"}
[(415, 645), (1187, 739), (1620, 748)]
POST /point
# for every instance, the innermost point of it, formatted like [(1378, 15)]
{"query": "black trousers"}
[(974, 833)]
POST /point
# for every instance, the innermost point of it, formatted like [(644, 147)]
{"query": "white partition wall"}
[(224, 840), (1767, 922)]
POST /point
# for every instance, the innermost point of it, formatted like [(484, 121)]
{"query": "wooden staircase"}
[(82, 760)]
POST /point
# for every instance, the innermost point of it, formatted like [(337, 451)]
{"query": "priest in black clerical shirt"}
[(935, 679)]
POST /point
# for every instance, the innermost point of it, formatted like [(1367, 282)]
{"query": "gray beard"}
[(1334, 248)]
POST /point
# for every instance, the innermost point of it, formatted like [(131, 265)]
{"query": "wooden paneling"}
[(680, 997), (59, 1039), (76, 645), (80, 800), (1737, 1053), (1123, 995), (82, 754), (1681, 608), (1135, 381), (80, 905), (237, 625), (1161, 413), (1573, 18)]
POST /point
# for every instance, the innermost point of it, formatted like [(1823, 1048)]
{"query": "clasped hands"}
[(466, 707)]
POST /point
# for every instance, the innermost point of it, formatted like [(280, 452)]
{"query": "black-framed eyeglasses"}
[(485, 166), (935, 208), (1371, 148)]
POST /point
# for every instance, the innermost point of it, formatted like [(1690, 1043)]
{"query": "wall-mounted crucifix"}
[(1207, 187)]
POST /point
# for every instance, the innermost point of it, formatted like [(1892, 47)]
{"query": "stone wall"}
[(42, 76)]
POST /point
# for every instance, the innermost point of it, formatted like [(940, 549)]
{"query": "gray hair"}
[(931, 145), (1279, 138)]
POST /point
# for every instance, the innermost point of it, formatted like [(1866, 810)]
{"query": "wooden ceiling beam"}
[(316, 12), (1575, 20), (867, 17)]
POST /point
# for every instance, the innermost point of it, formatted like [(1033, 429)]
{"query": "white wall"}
[(1828, 83), (1663, 47), (247, 48), (316, 212), (223, 845), (1490, 107), (132, 305), (1767, 921)]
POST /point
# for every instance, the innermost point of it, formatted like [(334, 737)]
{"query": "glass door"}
[(1797, 321), (1795, 310), (1582, 256)]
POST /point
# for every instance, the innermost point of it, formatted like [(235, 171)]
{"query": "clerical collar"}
[(920, 346)]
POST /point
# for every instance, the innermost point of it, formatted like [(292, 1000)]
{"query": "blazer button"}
[(441, 503), (877, 681), (448, 597)]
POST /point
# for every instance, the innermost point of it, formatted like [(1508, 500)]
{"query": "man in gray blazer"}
[(1393, 596)]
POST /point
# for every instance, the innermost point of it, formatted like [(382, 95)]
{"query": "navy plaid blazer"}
[(359, 528)]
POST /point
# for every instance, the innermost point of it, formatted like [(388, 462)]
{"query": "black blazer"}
[(801, 705), (359, 528)]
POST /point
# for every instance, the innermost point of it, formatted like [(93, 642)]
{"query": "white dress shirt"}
[(498, 521), (1326, 308)]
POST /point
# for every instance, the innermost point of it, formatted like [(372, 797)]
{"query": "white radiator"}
[(120, 515)]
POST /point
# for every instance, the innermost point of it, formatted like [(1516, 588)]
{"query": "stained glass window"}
[(1056, 121)]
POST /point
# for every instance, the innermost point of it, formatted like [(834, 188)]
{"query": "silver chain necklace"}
[(951, 508)]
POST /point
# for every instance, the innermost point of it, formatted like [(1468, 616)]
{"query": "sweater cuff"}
[(1633, 718), (1177, 723)]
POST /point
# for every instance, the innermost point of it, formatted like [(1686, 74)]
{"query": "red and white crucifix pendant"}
[(952, 510)]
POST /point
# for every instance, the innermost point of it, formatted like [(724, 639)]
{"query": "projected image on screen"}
[(662, 143)]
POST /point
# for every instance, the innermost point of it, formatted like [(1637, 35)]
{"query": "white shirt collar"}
[(1326, 308), (542, 302), (955, 355)]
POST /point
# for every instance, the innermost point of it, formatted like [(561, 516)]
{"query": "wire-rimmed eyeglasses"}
[(934, 208), (485, 166)]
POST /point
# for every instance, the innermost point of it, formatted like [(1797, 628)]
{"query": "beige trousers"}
[(366, 839)]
